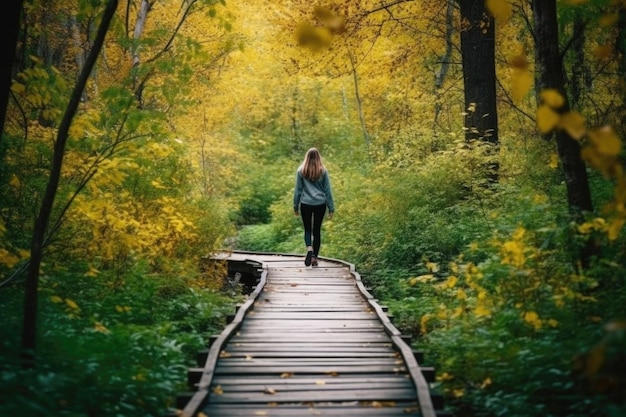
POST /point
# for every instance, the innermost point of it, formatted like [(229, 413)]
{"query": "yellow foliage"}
[(551, 97), (499, 9), (521, 80), (533, 319), (574, 124), (547, 119)]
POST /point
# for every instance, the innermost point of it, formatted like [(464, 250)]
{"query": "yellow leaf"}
[(551, 97), (432, 266), (119, 309), (532, 318), (574, 124), (56, 299), (445, 377), (461, 295), (451, 281), (286, 375), (608, 19), (270, 391), (547, 119), (93, 272), (603, 52), (499, 9), (217, 390), (614, 228), (482, 311), (606, 141), (521, 81), (554, 161), (320, 382), (18, 88), (485, 383), (224, 354), (71, 304), (99, 327), (15, 181)]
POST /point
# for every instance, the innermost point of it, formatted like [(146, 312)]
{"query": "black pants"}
[(312, 217)]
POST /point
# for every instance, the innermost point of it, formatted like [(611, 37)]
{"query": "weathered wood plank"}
[(351, 409), (314, 342)]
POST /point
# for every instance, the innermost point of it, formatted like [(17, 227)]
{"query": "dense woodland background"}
[(475, 156)]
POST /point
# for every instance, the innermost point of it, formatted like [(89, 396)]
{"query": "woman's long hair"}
[(312, 168)]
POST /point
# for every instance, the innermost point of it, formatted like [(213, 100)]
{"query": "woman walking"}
[(311, 197)]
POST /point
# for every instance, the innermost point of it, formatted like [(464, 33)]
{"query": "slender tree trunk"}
[(445, 61), (550, 69), (479, 71), (29, 331), (578, 61), (11, 18), (551, 75), (359, 103)]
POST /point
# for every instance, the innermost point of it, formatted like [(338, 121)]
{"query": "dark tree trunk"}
[(479, 71), (551, 75), (29, 331), (11, 25), (578, 61)]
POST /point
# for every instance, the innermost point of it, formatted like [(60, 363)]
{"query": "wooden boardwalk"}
[(308, 342)]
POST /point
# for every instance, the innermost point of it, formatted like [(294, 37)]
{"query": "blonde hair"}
[(312, 167)]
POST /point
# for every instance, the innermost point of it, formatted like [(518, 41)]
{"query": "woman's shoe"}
[(309, 256), (314, 261)]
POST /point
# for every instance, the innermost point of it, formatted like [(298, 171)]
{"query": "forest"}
[(474, 149)]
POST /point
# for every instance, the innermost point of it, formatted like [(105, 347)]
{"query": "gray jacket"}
[(313, 193)]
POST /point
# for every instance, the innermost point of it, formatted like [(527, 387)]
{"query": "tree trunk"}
[(479, 71), (445, 61), (578, 61), (359, 103), (11, 18), (29, 331), (550, 75)]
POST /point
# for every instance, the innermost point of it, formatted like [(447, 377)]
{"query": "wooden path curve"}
[(309, 341)]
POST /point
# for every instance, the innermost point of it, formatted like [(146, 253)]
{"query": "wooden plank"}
[(352, 409), (313, 343), (264, 396)]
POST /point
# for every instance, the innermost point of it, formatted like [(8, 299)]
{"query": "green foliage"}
[(111, 345)]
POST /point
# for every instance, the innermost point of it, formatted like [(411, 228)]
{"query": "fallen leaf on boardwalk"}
[(270, 391), (260, 413), (201, 414), (286, 375), (293, 285), (332, 373), (248, 357), (224, 354), (409, 410), (218, 390), (381, 404), (178, 413), (320, 382), (272, 404), (314, 412)]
